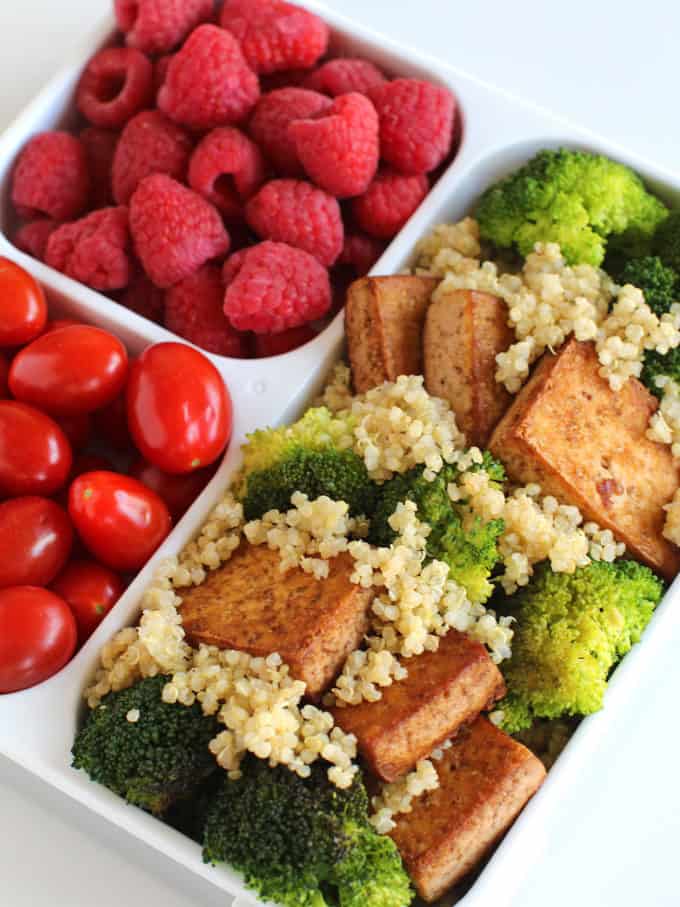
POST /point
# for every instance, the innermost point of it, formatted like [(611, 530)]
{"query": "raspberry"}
[(361, 252), (117, 83), (194, 310), (416, 123), (232, 266), (32, 238), (93, 250), (157, 26), (389, 202), (51, 177), (340, 149), (344, 75), (142, 297), (275, 35), (208, 83), (100, 147), (174, 229), (275, 287), (270, 121), (160, 71), (283, 342), (150, 143), (299, 214), (227, 168)]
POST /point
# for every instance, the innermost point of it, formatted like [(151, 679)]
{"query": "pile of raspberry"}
[(229, 179)]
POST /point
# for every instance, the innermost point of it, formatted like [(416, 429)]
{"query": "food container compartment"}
[(501, 132)]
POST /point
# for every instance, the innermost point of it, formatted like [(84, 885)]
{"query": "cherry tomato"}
[(77, 429), (35, 541), (76, 369), (37, 636), (23, 310), (4, 375), (178, 492), (111, 424), (55, 324), (90, 591), (120, 520), (179, 410), (35, 456), (90, 463)]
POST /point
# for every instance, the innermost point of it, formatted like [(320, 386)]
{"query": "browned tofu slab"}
[(443, 690), (384, 320), (586, 445), (248, 604), (464, 332), (485, 779)]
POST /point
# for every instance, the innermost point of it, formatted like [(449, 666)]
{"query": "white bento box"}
[(499, 133)]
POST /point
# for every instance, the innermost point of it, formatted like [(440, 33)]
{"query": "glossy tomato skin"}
[(178, 491), (179, 410), (55, 324), (23, 310), (77, 429), (90, 590), (38, 636), (4, 377), (120, 521), (75, 369), (35, 541), (35, 455)]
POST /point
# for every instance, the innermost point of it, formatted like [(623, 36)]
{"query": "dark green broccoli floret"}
[(303, 843), (572, 198), (667, 241), (658, 282), (656, 365), (571, 630), (154, 761)]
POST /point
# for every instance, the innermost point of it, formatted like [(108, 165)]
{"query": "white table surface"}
[(609, 65)]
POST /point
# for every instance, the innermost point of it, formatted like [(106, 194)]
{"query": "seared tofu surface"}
[(485, 780), (249, 604), (443, 690), (587, 445)]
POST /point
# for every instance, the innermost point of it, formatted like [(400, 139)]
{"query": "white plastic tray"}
[(500, 132)]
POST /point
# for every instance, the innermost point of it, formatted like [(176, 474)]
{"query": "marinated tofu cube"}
[(586, 444), (443, 690), (249, 605), (485, 779), (464, 332)]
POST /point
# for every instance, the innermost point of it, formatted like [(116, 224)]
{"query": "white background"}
[(609, 65)]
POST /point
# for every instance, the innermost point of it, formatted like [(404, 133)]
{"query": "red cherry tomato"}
[(77, 429), (178, 492), (37, 636), (4, 375), (35, 456), (76, 369), (90, 591), (111, 424), (179, 410), (55, 324), (23, 310), (120, 520), (90, 463), (35, 541)]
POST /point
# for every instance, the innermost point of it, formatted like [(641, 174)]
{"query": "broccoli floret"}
[(667, 241), (470, 550), (656, 365), (303, 843), (571, 629), (572, 198), (153, 761), (658, 282)]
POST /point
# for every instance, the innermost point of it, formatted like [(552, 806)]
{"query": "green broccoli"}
[(154, 761), (470, 551), (571, 629), (572, 198), (658, 282), (667, 241), (303, 843)]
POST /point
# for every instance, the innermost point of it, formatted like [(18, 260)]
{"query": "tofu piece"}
[(384, 320), (586, 445), (485, 779), (464, 332), (248, 604), (443, 690)]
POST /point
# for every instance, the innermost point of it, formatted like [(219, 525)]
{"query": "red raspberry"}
[(416, 123), (157, 26), (150, 143), (142, 297), (273, 115), (275, 287), (344, 75), (275, 35), (94, 250), (32, 237), (361, 252), (299, 214), (194, 309), (117, 83), (340, 149), (233, 265), (283, 342), (208, 83), (160, 71), (175, 230), (226, 168), (389, 202), (51, 177), (100, 147)]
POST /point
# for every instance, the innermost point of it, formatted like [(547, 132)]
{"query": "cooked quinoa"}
[(398, 796)]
